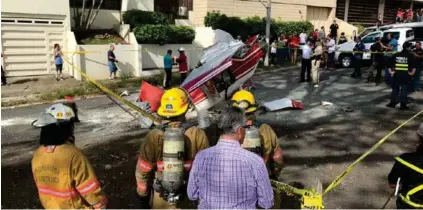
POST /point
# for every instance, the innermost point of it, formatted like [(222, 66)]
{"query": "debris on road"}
[(327, 103), (282, 104)]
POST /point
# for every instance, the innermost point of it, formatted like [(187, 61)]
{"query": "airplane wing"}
[(216, 59)]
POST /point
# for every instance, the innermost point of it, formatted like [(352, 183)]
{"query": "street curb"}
[(52, 102)]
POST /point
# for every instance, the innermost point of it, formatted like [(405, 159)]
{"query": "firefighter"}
[(62, 173), (166, 155), (401, 69), (267, 144), (408, 168)]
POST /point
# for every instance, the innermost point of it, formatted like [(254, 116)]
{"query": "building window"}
[(107, 4)]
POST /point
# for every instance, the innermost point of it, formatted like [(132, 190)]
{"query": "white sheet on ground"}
[(282, 104)]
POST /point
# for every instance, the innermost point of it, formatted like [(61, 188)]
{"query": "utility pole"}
[(268, 7)]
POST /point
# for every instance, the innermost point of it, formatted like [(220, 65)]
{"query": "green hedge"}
[(254, 25), (164, 34), (139, 18)]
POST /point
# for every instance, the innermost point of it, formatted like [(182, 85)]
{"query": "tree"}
[(85, 16)]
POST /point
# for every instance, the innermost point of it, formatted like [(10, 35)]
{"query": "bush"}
[(254, 25), (139, 18), (164, 34)]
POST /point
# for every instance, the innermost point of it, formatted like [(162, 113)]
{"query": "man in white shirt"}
[(303, 38), (306, 62), (330, 43)]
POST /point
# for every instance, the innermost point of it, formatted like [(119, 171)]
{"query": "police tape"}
[(114, 95), (339, 179), (310, 199)]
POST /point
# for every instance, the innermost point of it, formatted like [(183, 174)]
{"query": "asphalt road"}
[(319, 142)]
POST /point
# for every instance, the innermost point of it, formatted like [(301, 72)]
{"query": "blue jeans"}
[(331, 60)]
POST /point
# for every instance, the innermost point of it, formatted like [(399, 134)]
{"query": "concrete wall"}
[(284, 10), (124, 31), (36, 8), (106, 19), (152, 55), (147, 5), (95, 64), (204, 36), (72, 46)]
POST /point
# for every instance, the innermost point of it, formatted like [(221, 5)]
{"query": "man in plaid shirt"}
[(227, 176)]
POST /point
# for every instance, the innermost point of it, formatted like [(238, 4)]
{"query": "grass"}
[(89, 89)]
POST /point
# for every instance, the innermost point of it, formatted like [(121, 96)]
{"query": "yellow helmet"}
[(174, 103), (245, 100)]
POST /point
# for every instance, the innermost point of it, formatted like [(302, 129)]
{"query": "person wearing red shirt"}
[(409, 15), (294, 44), (316, 34), (400, 16), (183, 64)]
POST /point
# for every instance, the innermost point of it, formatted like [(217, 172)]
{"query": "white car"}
[(344, 56)]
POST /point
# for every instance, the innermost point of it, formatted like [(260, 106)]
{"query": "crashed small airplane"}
[(224, 68)]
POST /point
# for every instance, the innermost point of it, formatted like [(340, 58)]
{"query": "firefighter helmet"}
[(245, 100), (58, 113), (174, 103)]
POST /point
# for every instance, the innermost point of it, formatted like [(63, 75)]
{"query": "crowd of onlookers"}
[(408, 15), (287, 47)]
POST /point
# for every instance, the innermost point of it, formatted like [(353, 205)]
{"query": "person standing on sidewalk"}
[(418, 52), (391, 48), (408, 168), (112, 62), (358, 56), (306, 62), (330, 43), (334, 30), (168, 64), (183, 64), (58, 60), (377, 49), (227, 176), (3, 74), (402, 69)]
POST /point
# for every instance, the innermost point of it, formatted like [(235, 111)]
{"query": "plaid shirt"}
[(227, 176)]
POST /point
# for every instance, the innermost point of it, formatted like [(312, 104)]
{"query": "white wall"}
[(204, 36), (152, 55), (38, 8), (124, 31), (106, 19), (95, 64), (72, 46), (146, 5)]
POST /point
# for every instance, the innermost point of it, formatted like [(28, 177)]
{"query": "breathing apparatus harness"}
[(170, 180)]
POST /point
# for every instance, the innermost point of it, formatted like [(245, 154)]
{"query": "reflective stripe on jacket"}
[(401, 67), (416, 189), (65, 178), (150, 159)]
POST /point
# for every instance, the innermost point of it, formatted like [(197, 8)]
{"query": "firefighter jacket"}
[(183, 63), (403, 63), (409, 167), (150, 159), (272, 153), (65, 178)]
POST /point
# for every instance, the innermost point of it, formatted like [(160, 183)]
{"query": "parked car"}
[(344, 55)]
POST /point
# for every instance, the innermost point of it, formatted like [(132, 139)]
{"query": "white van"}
[(346, 58)]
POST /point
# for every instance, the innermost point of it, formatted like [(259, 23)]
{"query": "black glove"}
[(144, 202)]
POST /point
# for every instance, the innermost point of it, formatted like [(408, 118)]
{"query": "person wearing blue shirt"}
[(391, 47), (168, 63), (58, 61), (358, 55)]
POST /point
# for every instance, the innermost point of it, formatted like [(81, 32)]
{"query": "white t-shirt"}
[(303, 38), (273, 48), (307, 52), (331, 45)]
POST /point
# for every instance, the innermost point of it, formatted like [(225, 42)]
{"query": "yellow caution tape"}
[(110, 93), (339, 179), (309, 198)]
